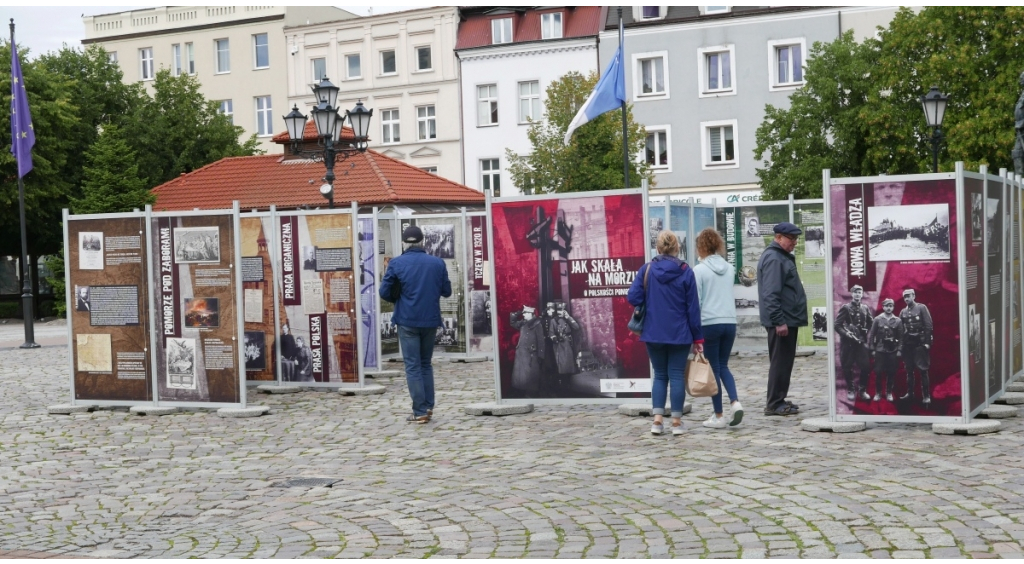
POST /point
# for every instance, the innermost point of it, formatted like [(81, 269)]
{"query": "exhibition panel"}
[(259, 342)]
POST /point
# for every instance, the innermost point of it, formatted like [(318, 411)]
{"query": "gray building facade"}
[(699, 78)]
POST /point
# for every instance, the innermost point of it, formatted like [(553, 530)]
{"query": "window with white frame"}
[(650, 71), (423, 62), (146, 62), (716, 10), (501, 30), (176, 59), (223, 49), (656, 151), (490, 176), (264, 117), (487, 104), (227, 108), (650, 12), (529, 101), (786, 63), (426, 123), (319, 68), (388, 65), (551, 25), (718, 144), (430, 169), (717, 70), (190, 59), (112, 56), (353, 67), (390, 131), (261, 50)]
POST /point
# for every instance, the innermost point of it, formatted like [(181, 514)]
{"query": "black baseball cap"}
[(412, 234), (787, 228)]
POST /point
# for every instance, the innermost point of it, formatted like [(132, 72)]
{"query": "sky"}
[(45, 28)]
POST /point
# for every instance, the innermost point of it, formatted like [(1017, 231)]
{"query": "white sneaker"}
[(737, 414), (715, 422), (677, 429), (657, 429)]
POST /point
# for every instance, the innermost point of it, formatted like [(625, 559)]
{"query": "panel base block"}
[(972, 428), (147, 410), (370, 390), (996, 411), (1011, 398), (68, 409), (822, 424), (272, 389), (383, 374), (1015, 387), (497, 409), (642, 410), (238, 412), (469, 359)]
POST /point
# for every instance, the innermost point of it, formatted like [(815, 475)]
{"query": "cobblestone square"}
[(579, 481)]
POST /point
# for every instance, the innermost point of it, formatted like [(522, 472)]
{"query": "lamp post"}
[(934, 104), (329, 125)]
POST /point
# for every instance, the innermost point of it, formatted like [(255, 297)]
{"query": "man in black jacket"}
[(783, 308)]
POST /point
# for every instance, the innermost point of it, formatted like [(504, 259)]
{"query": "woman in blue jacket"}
[(671, 325)]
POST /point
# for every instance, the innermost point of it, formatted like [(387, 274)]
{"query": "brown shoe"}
[(421, 419), (430, 413)]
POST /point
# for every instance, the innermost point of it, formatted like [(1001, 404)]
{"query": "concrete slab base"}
[(1011, 398), (645, 410), (383, 374), (275, 389), (818, 424), (804, 352), (497, 409), (150, 410), (469, 359), (68, 409), (238, 412), (997, 411), (972, 428), (369, 390), (1015, 387)]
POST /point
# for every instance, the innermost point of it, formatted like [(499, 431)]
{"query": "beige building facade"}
[(401, 65), (237, 53)]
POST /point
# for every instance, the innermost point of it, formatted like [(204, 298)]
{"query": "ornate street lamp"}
[(934, 104), (329, 125)]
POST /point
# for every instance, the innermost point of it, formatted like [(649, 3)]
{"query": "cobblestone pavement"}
[(580, 481)]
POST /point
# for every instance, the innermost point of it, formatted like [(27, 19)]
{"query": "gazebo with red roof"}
[(290, 182)]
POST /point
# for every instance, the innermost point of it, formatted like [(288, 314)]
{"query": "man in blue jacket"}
[(415, 283), (783, 308)]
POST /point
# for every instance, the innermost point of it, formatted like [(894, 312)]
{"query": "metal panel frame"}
[(492, 355), (961, 243), (828, 182), (643, 193)]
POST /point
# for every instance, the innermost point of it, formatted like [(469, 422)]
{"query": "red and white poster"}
[(896, 240), (562, 267)]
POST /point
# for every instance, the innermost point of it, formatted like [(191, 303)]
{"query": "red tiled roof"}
[(309, 134), (258, 182), (577, 21)]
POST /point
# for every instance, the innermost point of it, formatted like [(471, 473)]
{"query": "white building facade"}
[(237, 53), (402, 66)]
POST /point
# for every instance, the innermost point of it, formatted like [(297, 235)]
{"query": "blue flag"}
[(22, 135), (608, 95)]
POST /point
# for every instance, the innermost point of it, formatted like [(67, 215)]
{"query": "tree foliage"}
[(860, 111), (592, 160), (111, 177)]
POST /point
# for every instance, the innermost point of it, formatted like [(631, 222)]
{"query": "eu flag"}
[(22, 135)]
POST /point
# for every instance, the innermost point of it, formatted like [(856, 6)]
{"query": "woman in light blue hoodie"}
[(718, 319)]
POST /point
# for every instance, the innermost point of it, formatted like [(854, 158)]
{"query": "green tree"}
[(111, 177), (177, 130), (822, 127), (593, 158)]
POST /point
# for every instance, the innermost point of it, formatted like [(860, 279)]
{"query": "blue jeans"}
[(417, 348), (669, 362), (718, 340)]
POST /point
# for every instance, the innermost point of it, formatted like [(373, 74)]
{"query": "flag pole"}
[(26, 284), (625, 138)]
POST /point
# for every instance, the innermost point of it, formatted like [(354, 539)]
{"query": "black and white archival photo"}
[(974, 338), (82, 298), (181, 364), (196, 245), (976, 216), (814, 241), (388, 330), (656, 226), (439, 240), (90, 250), (481, 309), (994, 243), (909, 233), (448, 333), (819, 323), (254, 346)]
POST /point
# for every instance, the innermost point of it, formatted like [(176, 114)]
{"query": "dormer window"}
[(650, 12), (501, 30), (551, 25)]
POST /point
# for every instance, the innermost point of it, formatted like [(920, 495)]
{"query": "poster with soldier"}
[(895, 312), (562, 267)]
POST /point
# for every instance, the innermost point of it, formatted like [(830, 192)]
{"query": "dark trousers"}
[(781, 354)]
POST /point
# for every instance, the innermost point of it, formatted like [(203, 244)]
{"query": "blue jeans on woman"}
[(417, 349), (669, 362), (718, 340)]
